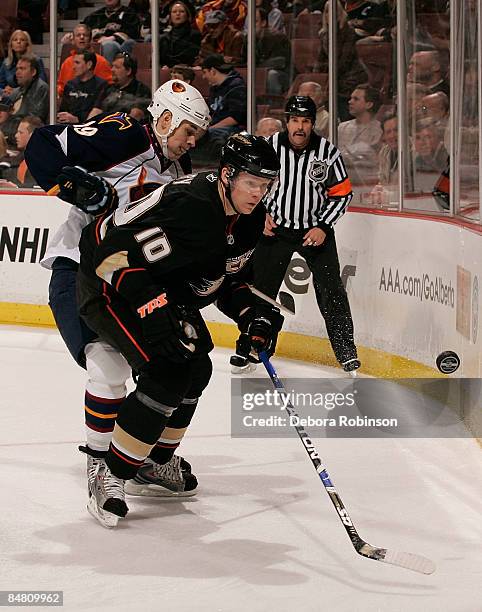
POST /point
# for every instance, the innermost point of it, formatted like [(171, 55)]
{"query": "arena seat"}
[(304, 53), (378, 61), (306, 26), (142, 51), (318, 77), (261, 76)]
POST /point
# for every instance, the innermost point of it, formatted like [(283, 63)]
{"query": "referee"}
[(312, 194)]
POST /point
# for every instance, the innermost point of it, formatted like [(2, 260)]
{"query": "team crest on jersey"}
[(318, 170), (234, 264), (121, 118), (205, 286), (212, 178)]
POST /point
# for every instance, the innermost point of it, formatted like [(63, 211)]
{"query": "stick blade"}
[(410, 561)]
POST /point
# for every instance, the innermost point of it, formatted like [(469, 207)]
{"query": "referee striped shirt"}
[(313, 189)]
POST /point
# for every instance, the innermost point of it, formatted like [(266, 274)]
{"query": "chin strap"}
[(162, 139), (227, 193)]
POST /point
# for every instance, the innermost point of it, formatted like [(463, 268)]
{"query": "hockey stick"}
[(287, 306), (241, 364), (416, 563)]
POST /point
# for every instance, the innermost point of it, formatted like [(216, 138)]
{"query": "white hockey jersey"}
[(113, 146)]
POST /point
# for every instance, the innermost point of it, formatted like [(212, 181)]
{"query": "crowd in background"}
[(105, 66)]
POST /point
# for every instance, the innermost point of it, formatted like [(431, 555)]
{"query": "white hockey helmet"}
[(184, 102)]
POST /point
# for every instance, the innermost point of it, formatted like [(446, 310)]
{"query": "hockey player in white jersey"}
[(135, 159)]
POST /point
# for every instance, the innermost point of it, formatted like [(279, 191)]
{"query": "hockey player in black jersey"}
[(135, 159), (146, 270)]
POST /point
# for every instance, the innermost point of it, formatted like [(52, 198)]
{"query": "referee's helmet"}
[(244, 152), (300, 106)]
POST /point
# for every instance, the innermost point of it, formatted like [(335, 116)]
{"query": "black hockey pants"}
[(271, 259)]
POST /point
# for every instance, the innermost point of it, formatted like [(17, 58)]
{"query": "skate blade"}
[(247, 369), (148, 490), (106, 519)]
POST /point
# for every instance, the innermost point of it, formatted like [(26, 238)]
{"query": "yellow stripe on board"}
[(294, 346), (26, 314)]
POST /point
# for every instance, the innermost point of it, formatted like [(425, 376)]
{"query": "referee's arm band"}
[(340, 189)]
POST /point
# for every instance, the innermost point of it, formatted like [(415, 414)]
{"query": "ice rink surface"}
[(260, 535)]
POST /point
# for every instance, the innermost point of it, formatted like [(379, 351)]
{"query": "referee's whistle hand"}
[(314, 237), (269, 225)]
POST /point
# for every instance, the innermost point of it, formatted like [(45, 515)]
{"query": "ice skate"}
[(351, 366), (241, 365), (106, 493), (171, 479)]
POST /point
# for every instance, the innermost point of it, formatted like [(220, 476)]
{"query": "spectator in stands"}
[(115, 27), (273, 51), (142, 8), (182, 43), (414, 92), (126, 94), (32, 95), (430, 155), (222, 38), (368, 17), (267, 126), (81, 93), (19, 45), (183, 73), (5, 164), (20, 174), (387, 162), (227, 101), (358, 139), (349, 69), (315, 91), (435, 106), (7, 125), (82, 41), (145, 16), (425, 68), (236, 12), (275, 16), (30, 17)]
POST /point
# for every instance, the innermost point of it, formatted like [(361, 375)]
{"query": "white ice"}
[(260, 535)]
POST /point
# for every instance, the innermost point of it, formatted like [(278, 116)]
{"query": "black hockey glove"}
[(259, 327), (165, 331), (92, 194)]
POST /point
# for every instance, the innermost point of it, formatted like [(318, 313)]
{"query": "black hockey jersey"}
[(177, 240)]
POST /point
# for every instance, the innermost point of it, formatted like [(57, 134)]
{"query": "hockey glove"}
[(92, 194), (259, 327), (165, 331)]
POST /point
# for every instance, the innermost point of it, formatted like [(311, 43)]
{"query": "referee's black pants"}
[(270, 261)]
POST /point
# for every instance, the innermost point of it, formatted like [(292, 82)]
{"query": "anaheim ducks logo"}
[(234, 264), (318, 170), (241, 138), (205, 286)]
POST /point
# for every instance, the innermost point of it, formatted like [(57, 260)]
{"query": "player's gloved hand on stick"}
[(92, 194), (259, 327), (165, 330)]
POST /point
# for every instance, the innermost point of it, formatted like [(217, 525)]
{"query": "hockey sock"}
[(136, 431), (100, 415), (174, 431)]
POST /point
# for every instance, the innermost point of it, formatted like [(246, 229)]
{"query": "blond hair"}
[(9, 60)]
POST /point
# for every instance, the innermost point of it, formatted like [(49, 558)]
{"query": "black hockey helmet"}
[(300, 106), (252, 154)]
